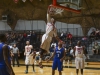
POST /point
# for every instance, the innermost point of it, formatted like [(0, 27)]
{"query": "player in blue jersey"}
[(59, 55), (5, 66)]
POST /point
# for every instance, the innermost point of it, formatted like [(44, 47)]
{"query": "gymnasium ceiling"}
[(37, 9)]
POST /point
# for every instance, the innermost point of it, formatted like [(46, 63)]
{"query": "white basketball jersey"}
[(79, 51), (50, 30), (28, 49)]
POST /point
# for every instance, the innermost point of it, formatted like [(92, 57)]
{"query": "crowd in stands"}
[(96, 48), (20, 39), (69, 43), (35, 39), (95, 34)]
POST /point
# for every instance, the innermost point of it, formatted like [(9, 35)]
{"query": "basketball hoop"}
[(55, 10), (60, 5)]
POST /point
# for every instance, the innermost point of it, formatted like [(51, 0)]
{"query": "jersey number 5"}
[(79, 52)]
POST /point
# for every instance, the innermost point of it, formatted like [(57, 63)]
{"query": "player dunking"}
[(59, 55), (5, 66), (79, 57), (29, 56), (51, 32)]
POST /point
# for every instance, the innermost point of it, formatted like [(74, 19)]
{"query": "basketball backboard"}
[(69, 5)]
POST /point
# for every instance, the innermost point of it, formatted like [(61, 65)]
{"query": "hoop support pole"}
[(54, 2)]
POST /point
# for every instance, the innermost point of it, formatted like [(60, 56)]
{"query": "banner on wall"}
[(24, 0), (16, 1)]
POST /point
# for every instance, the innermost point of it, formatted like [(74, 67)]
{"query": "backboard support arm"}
[(54, 2)]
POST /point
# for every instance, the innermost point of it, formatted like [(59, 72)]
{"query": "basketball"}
[(52, 12)]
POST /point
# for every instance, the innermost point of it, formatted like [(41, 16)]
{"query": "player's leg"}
[(82, 65), (43, 45), (26, 63), (81, 71), (4, 71), (53, 72), (26, 69), (33, 68), (60, 67), (77, 71), (32, 59), (77, 65), (60, 72), (17, 59), (54, 66), (13, 60), (40, 58)]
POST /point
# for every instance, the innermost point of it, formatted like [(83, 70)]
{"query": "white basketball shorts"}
[(79, 63)]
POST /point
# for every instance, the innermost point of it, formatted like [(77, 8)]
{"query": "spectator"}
[(69, 36), (62, 35), (70, 44), (68, 52), (85, 48), (64, 45), (71, 53), (92, 34), (84, 38), (37, 57), (52, 48), (96, 48), (10, 46), (97, 34), (53, 44), (24, 36), (34, 37)]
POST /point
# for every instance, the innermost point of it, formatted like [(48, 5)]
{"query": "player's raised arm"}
[(50, 12), (48, 17)]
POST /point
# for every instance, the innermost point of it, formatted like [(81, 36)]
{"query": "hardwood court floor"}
[(47, 70)]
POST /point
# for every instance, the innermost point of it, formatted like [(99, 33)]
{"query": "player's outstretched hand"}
[(61, 60), (62, 42), (48, 60)]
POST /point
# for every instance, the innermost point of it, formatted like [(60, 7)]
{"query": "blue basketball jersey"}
[(59, 53), (2, 62)]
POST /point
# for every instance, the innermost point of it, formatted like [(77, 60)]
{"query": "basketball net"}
[(56, 10)]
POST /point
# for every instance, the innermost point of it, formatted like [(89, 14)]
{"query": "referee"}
[(15, 55)]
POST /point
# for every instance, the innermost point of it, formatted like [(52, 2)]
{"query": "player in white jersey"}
[(51, 32), (29, 56), (79, 57)]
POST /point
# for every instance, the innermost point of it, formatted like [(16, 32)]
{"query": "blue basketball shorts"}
[(57, 64)]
